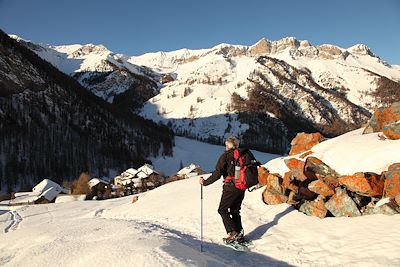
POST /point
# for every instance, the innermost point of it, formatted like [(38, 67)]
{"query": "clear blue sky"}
[(136, 27)]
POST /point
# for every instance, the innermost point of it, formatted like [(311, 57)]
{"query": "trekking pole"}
[(201, 218)]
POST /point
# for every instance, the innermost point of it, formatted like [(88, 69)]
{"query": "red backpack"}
[(246, 173)]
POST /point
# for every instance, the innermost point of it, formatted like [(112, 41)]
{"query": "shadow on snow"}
[(187, 249), (258, 232)]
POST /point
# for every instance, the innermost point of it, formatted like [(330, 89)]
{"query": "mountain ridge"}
[(192, 91)]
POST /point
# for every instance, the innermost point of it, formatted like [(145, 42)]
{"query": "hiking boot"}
[(231, 237)]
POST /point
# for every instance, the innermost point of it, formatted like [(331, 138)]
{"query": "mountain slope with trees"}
[(52, 127)]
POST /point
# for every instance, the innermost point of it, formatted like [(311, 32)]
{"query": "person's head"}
[(231, 143)]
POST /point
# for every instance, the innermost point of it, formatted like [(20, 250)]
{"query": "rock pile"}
[(316, 189)]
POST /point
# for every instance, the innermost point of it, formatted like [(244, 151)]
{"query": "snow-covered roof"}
[(129, 173), (50, 193), (46, 184), (22, 197), (96, 181), (188, 169), (145, 171), (46, 188)]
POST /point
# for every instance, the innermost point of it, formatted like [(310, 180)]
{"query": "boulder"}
[(271, 197), (293, 198), (392, 130), (304, 141), (383, 118), (374, 124), (340, 204), (288, 183), (262, 175), (361, 201), (385, 206), (397, 199), (394, 166), (321, 188), (314, 208), (274, 183), (365, 184), (392, 183), (316, 169), (296, 168), (390, 208)]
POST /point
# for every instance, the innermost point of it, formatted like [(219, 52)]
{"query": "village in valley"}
[(130, 182)]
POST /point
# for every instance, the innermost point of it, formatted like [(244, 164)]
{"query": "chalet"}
[(142, 179), (44, 192), (129, 173), (149, 177), (190, 171), (99, 189), (125, 179)]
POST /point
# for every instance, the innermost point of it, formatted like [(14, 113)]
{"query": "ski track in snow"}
[(16, 219), (180, 244), (160, 244)]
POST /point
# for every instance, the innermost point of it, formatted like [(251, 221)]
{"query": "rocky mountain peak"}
[(265, 47), (262, 47), (288, 42), (360, 49), (305, 43), (90, 49)]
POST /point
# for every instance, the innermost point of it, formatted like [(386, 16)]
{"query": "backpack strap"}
[(236, 156)]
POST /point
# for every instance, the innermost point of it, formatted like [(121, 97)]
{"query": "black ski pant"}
[(229, 207)]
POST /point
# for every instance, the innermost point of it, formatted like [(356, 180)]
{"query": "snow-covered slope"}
[(187, 151), (292, 85), (162, 228), (320, 85), (350, 153), (331, 66)]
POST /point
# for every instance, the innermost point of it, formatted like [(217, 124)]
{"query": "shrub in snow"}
[(81, 185)]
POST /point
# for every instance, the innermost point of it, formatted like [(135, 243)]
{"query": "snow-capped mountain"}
[(51, 126), (106, 74), (296, 86), (265, 93)]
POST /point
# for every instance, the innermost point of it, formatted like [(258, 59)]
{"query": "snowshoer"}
[(232, 197)]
